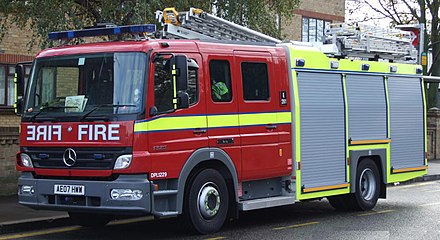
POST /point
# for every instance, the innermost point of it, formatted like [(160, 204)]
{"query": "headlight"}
[(26, 160), (123, 161)]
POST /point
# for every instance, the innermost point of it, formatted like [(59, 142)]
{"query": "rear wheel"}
[(89, 219), (338, 202), (207, 202), (367, 186), (367, 189)]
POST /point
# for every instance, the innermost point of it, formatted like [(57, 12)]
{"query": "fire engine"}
[(207, 118)]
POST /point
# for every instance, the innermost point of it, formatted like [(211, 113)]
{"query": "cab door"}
[(222, 107), (174, 135), (257, 103)]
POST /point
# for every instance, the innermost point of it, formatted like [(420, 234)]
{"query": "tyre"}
[(90, 219), (206, 202), (367, 186), (338, 202)]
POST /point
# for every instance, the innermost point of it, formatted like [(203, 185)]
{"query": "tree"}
[(44, 16), (425, 12)]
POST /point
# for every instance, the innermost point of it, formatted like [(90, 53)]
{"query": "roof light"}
[(94, 32), (334, 64), (365, 67), (300, 62), (393, 69)]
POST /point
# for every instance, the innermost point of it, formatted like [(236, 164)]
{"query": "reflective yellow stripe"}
[(222, 121), (171, 123), (284, 117), (141, 127), (212, 121), (257, 119), (403, 170)]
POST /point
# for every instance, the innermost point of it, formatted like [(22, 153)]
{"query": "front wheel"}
[(207, 202)]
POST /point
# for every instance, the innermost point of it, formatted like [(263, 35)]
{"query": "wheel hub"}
[(209, 200), (367, 184)]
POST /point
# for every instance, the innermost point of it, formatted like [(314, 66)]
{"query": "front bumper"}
[(96, 198)]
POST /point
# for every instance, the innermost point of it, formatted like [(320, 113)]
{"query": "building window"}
[(2, 85), (313, 30), (7, 88)]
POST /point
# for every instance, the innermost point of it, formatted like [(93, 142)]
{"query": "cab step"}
[(165, 214), (266, 202), (165, 192)]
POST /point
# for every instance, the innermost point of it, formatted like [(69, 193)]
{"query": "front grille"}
[(87, 158), (82, 178)]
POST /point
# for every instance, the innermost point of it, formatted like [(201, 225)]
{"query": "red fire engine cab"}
[(207, 128)]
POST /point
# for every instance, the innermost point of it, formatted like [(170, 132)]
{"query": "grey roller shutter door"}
[(322, 129), (407, 122), (367, 107)]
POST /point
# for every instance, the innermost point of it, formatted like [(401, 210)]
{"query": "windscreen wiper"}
[(44, 108), (103, 106)]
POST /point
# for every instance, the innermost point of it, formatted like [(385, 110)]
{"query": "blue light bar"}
[(94, 32)]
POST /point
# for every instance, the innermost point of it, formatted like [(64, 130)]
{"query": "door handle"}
[(199, 131), (271, 127)]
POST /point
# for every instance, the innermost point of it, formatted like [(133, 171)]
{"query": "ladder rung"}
[(196, 24)]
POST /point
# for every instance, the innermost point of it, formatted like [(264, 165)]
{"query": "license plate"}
[(68, 189)]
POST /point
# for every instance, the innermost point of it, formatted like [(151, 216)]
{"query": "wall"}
[(8, 149), (13, 49), (15, 42)]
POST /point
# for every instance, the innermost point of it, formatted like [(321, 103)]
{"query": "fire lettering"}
[(98, 132), (43, 133)]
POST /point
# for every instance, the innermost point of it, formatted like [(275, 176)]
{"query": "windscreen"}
[(86, 85)]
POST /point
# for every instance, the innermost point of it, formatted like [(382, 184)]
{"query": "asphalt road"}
[(409, 212)]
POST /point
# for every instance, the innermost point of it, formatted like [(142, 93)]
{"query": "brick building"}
[(311, 18), (13, 49), (308, 24)]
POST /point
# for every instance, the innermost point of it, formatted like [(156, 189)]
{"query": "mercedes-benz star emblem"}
[(69, 157)]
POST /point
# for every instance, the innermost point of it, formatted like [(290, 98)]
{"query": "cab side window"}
[(193, 85), (255, 81), (163, 88), (221, 86)]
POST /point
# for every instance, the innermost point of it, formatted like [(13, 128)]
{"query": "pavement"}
[(15, 217)]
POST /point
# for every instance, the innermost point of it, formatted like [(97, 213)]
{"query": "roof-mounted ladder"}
[(363, 41), (197, 24)]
